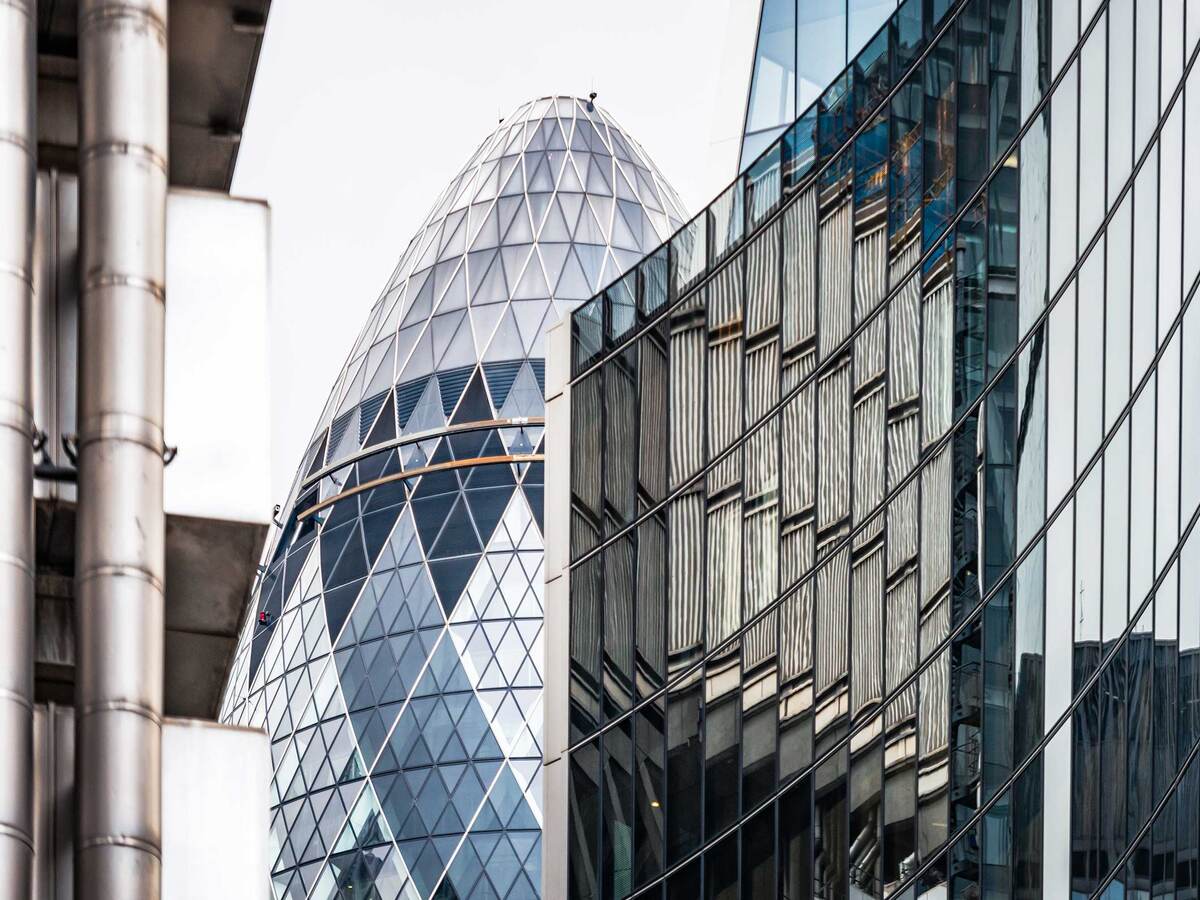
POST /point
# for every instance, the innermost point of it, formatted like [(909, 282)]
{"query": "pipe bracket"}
[(110, 706), (120, 840), (17, 698), (17, 834)]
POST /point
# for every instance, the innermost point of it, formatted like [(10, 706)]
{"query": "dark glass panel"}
[(758, 753), (795, 728), (652, 434), (1162, 656), (964, 863), (585, 646), (899, 793), (935, 10), (1029, 652), (654, 281), (1187, 841), (835, 114), (584, 823), (970, 309), (618, 605), (1157, 867), (1004, 81), (1085, 787), (650, 635), (1138, 753), (587, 333), (866, 783), (721, 753), (1155, 872), (758, 857), (622, 299), (721, 870), (965, 518), (870, 163), (649, 754), (1188, 731), (685, 780), (1027, 834), (1000, 443), (938, 144), (688, 256), (617, 820), (799, 149), (1116, 745), (587, 439), (620, 439), (997, 690), (904, 172), (872, 75), (831, 841), (967, 678), (971, 142), (1002, 253), (685, 884), (907, 36), (795, 842), (932, 882)]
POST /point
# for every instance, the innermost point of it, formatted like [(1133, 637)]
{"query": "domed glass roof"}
[(394, 649)]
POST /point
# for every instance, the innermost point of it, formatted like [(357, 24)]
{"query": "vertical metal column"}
[(119, 555), (17, 185)]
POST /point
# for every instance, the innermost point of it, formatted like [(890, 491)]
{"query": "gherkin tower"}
[(393, 650)]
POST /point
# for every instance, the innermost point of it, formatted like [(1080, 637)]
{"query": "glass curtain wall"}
[(885, 575), (801, 46)]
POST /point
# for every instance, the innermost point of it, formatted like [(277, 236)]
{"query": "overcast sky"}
[(363, 110)]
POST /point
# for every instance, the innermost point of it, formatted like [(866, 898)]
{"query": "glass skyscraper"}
[(394, 649), (801, 46), (880, 574)]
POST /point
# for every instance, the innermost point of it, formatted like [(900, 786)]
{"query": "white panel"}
[(215, 809), (217, 390)]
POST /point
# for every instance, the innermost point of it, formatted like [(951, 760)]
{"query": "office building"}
[(394, 651), (873, 568)]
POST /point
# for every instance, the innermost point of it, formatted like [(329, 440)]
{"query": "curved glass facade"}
[(801, 46), (394, 652), (884, 576)]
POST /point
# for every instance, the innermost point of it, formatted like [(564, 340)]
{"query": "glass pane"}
[(773, 91)]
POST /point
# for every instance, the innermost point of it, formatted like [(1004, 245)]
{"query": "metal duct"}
[(17, 187), (119, 551)]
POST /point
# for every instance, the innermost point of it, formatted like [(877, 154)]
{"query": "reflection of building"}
[(395, 648), (872, 568), (124, 575), (802, 45)]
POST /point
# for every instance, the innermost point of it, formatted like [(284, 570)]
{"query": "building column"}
[(17, 185), (119, 532), (556, 628)]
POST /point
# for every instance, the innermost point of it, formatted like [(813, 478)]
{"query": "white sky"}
[(363, 110)]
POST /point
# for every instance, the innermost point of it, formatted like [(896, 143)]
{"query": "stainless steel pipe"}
[(119, 556), (18, 164)]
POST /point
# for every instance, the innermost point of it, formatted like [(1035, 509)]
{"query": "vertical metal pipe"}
[(119, 532), (17, 174)]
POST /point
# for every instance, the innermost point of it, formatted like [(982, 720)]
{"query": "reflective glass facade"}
[(884, 575), (394, 651), (801, 46)]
